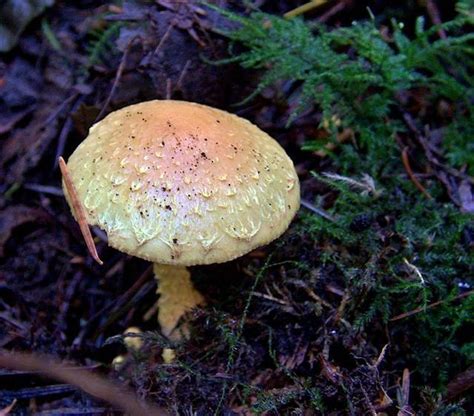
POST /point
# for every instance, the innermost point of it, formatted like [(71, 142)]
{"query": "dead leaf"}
[(23, 149), (26, 87), (460, 384), (17, 215)]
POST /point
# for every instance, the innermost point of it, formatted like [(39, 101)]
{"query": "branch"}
[(92, 384)]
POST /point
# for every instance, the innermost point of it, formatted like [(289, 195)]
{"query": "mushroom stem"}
[(177, 297)]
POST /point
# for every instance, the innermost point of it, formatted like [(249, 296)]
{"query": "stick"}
[(304, 8), (79, 211), (412, 176), (90, 383), (118, 75), (433, 12), (430, 306), (316, 210)]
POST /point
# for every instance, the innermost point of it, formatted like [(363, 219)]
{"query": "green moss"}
[(459, 143), (397, 251)]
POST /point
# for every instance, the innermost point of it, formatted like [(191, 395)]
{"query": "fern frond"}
[(101, 44)]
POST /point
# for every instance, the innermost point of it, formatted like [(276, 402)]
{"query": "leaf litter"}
[(298, 334)]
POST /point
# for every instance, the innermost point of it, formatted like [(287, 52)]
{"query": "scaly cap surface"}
[(175, 182)]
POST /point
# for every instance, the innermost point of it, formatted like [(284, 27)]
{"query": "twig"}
[(304, 8), (118, 312), (5, 317), (269, 297), (342, 307), (86, 411), (370, 406), (429, 151), (36, 392), (79, 211), (90, 383), (5, 411), (163, 39), (316, 210), (62, 140), (118, 75), (7, 124), (333, 289), (60, 108), (168, 88), (44, 189), (182, 75), (440, 169), (66, 303), (66, 127), (114, 306), (339, 6), (317, 298), (406, 164), (430, 306), (381, 355), (433, 12)]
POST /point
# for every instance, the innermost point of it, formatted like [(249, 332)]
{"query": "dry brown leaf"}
[(15, 216)]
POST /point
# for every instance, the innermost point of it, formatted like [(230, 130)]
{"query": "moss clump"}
[(402, 256)]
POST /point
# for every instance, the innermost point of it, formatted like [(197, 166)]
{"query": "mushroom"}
[(182, 184)]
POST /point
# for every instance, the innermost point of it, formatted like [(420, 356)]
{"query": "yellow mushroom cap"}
[(176, 182)]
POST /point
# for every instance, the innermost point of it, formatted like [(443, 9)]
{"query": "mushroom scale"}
[(175, 182)]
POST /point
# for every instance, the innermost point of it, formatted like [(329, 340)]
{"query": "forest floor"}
[(364, 306)]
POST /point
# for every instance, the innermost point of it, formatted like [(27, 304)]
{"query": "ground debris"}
[(24, 147), (462, 383), (381, 253), (15, 216)]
